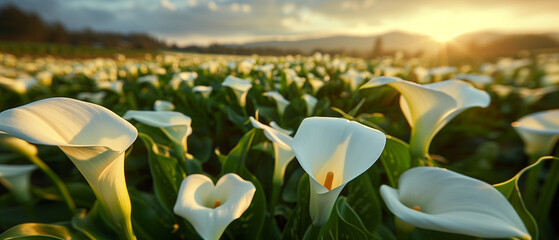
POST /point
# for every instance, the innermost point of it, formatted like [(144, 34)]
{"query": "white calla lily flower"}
[(115, 86), (333, 151), (204, 90), (96, 98), (93, 137), (151, 79), (17, 178), (311, 103), (353, 77), (240, 86), (162, 105), (281, 102), (282, 148), (442, 200), (175, 125), (20, 85), (539, 132), (428, 108), (210, 209), (276, 126)]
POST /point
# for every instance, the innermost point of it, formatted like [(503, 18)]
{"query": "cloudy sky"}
[(236, 21)]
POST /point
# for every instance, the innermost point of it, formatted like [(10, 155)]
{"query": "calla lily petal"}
[(311, 103), (174, 124), (539, 131), (161, 105), (439, 199), (93, 137), (337, 147), (281, 102), (428, 108), (240, 86), (211, 208)]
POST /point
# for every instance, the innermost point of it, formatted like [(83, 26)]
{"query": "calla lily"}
[(539, 131), (478, 80), (282, 148), (275, 126), (353, 77), (17, 179), (162, 105), (204, 90), (316, 83), (439, 199), (151, 79), (210, 209), (240, 86), (281, 102), (21, 85), (174, 124), (93, 137), (96, 98), (333, 151), (311, 103), (187, 77), (115, 86), (428, 108)]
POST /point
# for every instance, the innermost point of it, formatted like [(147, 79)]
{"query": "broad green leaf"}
[(150, 220), (395, 158), (300, 219), (289, 193), (166, 174), (363, 197), (93, 224), (249, 225), (511, 191), (39, 231)]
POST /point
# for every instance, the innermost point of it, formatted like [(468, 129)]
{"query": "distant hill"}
[(390, 41)]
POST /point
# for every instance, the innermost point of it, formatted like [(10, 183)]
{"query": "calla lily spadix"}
[(281, 102), (443, 200), (17, 179), (210, 209), (428, 108), (93, 137), (539, 132), (333, 151), (282, 148), (240, 86)]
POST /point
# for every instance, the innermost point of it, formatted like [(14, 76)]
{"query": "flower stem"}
[(180, 153), (56, 180), (276, 187)]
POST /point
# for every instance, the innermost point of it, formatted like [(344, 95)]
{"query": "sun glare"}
[(443, 36)]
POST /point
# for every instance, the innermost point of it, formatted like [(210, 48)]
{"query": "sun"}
[(443, 37)]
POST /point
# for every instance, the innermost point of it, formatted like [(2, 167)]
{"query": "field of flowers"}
[(184, 146)]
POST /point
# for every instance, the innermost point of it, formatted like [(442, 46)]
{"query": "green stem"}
[(276, 187), (125, 232), (56, 180), (531, 185), (180, 153), (547, 194)]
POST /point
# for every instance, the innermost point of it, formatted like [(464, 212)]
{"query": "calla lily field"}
[(192, 146)]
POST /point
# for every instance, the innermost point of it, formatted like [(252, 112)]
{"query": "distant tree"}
[(377, 48)]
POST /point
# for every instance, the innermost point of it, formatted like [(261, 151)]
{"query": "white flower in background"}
[(265, 69), (239, 86), (151, 79), (175, 125), (187, 77), (315, 83), (428, 108), (311, 103), (210, 66), (479, 81), (204, 90), (333, 151), (93, 137), (210, 209), (421, 74), (274, 125), (281, 102), (353, 77), (114, 86), (539, 132), (17, 178), (531, 96), (245, 66), (162, 105), (44, 77), (292, 76), (338, 65), (391, 71), (96, 98), (443, 200), (439, 73), (282, 148), (549, 79), (20, 85)]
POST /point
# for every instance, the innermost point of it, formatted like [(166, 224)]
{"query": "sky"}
[(202, 22)]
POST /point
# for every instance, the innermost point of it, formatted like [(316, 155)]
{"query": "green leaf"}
[(39, 231), (300, 219), (395, 158), (363, 197), (249, 225), (93, 224), (511, 191), (150, 220), (166, 174)]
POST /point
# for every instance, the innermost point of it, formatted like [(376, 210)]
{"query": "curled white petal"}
[(539, 131)]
